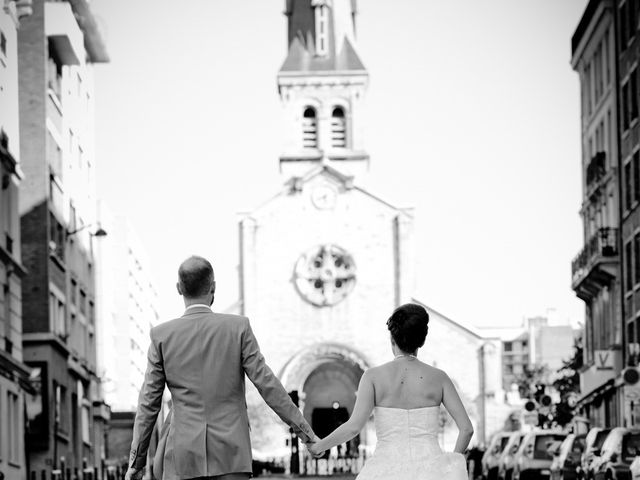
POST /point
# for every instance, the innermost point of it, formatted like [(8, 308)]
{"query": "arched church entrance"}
[(326, 377)]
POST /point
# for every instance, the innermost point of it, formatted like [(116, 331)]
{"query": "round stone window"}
[(325, 275)]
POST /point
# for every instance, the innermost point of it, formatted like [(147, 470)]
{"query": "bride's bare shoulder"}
[(435, 371)]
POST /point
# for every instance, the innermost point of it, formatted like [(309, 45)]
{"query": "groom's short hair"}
[(196, 276)]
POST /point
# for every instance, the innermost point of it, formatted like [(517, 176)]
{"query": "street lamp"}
[(100, 232)]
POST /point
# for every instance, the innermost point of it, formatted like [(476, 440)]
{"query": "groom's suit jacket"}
[(203, 358)]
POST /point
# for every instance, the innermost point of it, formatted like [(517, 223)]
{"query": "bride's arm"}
[(361, 413), (453, 404)]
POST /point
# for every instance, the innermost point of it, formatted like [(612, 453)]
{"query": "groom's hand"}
[(134, 474), (312, 447)]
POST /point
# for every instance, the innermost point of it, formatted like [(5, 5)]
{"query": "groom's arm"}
[(270, 387), (149, 404)]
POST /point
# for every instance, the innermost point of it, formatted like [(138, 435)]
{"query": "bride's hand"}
[(314, 450)]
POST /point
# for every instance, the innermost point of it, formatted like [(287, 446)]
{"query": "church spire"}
[(321, 84)]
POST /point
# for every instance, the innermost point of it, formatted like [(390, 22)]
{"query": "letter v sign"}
[(603, 360)]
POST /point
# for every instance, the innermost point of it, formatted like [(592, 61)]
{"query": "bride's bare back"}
[(407, 383)]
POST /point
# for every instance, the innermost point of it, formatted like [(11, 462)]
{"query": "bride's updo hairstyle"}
[(409, 325)]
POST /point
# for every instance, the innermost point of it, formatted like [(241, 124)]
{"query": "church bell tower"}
[(321, 84)]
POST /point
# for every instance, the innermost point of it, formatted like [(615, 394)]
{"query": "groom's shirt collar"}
[(197, 305)]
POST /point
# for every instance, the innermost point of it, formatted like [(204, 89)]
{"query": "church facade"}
[(324, 262)]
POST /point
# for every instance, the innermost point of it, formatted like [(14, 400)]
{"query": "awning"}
[(596, 392)]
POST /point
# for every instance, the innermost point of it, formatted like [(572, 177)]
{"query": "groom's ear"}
[(178, 288), (213, 287)]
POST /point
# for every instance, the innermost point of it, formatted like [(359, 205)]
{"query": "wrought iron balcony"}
[(597, 264), (596, 169)]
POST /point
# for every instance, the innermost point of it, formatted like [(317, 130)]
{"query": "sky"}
[(472, 117)]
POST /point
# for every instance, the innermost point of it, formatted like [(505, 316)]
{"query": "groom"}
[(203, 357)]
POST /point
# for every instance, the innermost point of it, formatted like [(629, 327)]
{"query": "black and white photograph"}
[(359, 239)]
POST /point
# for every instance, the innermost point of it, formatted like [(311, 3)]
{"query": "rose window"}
[(325, 275)]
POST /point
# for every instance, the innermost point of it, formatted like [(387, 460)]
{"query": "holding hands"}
[(312, 447)]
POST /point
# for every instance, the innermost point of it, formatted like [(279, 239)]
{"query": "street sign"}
[(604, 360), (530, 418)]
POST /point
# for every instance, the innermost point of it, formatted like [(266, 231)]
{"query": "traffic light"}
[(630, 375), (530, 405)]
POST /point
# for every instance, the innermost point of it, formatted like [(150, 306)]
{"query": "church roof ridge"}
[(459, 325), (301, 59)]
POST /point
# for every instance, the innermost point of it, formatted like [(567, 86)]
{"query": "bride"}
[(405, 396)]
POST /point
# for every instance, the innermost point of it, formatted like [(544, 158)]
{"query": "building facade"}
[(57, 48), (534, 343), (596, 277), (127, 300), (319, 300), (515, 358), (627, 56), (14, 374)]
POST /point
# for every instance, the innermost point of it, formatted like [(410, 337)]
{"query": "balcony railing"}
[(597, 168), (604, 243)]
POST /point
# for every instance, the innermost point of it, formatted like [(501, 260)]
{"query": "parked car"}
[(618, 451), (592, 446), (532, 461), (566, 460), (505, 462), (634, 468), (492, 455)]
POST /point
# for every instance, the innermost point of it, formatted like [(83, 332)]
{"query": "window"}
[(628, 266), (86, 427), (632, 20), (322, 29), (636, 176), (62, 408), (633, 94), (54, 73), (338, 128), (54, 155), (622, 21), (83, 302), (74, 291), (625, 106), (91, 312), (309, 128), (13, 421), (628, 186), (606, 58), (508, 346), (587, 89), (8, 344), (598, 71), (72, 217), (636, 253), (57, 316), (56, 236)]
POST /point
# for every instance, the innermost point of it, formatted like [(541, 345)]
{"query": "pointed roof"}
[(347, 181), (301, 59), (459, 326)]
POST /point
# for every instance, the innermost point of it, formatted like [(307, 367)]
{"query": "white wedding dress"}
[(408, 448)]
